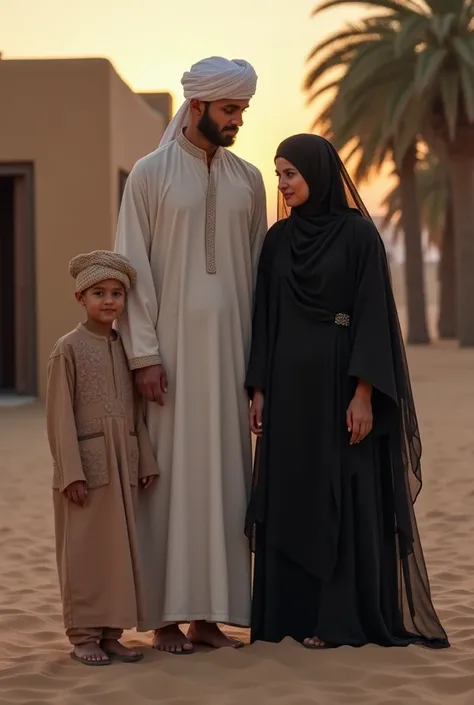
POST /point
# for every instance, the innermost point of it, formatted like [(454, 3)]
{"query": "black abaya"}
[(337, 552)]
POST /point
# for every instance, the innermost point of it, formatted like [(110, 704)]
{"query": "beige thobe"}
[(97, 434), (194, 235)]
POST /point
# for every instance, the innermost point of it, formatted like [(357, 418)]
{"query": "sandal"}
[(89, 662), (124, 659)]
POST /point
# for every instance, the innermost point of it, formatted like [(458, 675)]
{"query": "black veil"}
[(415, 604), (351, 193)]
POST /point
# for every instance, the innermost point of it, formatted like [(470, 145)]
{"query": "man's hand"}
[(76, 492), (152, 383), (149, 481), (256, 413), (359, 414)]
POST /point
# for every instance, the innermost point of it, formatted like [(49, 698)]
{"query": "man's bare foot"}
[(209, 634), (172, 640), (90, 653), (313, 642), (114, 649)]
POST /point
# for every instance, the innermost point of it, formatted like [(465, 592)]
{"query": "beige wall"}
[(78, 123), (135, 130)]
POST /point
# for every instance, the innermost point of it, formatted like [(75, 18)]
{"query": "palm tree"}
[(354, 120), (433, 44), (434, 195)]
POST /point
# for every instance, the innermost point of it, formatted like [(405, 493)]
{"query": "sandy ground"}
[(35, 668)]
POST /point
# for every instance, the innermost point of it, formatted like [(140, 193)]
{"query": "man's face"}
[(221, 120)]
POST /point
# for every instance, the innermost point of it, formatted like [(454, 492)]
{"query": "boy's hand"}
[(76, 492), (147, 482)]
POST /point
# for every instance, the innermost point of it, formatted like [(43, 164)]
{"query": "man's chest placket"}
[(210, 230)]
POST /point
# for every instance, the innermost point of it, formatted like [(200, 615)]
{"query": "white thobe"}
[(194, 235)]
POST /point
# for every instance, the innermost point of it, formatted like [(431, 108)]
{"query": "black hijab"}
[(332, 195), (314, 226)]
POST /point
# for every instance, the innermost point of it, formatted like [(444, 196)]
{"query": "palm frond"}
[(396, 107), (409, 129), (433, 191), (440, 7), (397, 7), (339, 60), (332, 85), (450, 85), (391, 205), (466, 76), (354, 33), (428, 63), (410, 34), (379, 54), (394, 77), (441, 25), (464, 48)]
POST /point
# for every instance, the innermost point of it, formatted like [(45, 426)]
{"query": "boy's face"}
[(104, 302)]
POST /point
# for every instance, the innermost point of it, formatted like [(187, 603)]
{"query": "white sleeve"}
[(138, 323), (259, 225)]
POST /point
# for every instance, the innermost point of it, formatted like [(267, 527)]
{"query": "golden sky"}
[(152, 42)]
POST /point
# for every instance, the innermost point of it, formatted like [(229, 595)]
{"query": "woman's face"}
[(292, 185)]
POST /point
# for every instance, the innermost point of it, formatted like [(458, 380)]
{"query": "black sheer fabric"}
[(333, 525)]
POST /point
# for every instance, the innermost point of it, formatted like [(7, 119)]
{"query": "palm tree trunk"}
[(414, 266), (461, 163), (447, 328)]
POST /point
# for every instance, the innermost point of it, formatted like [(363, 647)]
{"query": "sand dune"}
[(35, 668)]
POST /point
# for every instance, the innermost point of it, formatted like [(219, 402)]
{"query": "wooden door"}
[(24, 281)]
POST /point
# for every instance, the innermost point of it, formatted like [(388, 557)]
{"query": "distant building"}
[(70, 131)]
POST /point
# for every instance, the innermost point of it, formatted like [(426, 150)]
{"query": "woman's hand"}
[(256, 413), (359, 414)]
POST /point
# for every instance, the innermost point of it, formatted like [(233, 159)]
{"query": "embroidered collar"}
[(81, 327), (194, 151)]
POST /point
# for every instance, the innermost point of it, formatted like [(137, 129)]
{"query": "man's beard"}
[(210, 130)]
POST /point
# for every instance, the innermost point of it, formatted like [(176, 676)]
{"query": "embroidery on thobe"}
[(134, 457), (56, 476), (136, 363), (211, 201), (94, 462), (88, 428), (112, 368), (211, 267), (92, 382)]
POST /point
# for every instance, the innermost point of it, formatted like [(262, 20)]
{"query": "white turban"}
[(212, 79)]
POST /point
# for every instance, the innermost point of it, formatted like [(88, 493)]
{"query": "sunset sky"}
[(152, 42)]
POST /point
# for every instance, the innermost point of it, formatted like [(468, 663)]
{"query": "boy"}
[(102, 456)]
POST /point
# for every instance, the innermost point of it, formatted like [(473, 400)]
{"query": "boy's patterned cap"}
[(94, 267)]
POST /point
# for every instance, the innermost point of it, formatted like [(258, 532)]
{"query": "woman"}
[(338, 558)]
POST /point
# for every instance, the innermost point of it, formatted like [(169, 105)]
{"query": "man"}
[(192, 222)]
